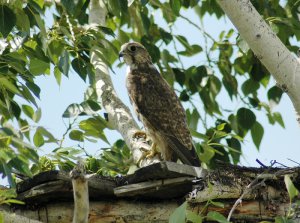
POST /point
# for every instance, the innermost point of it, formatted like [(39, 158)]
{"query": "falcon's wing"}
[(160, 106)]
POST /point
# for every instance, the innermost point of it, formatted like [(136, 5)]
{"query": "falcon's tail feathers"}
[(187, 156)]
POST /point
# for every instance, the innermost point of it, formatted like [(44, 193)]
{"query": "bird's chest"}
[(139, 87)]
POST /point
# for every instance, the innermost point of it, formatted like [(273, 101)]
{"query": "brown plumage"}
[(157, 106)]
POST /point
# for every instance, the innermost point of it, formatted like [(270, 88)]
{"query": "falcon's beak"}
[(121, 54)]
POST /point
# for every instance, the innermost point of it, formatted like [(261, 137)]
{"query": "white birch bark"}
[(118, 113), (80, 193), (268, 48)]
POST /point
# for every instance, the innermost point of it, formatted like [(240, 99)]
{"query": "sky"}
[(277, 144)]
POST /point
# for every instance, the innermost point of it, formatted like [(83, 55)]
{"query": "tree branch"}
[(80, 193), (268, 48), (118, 113)]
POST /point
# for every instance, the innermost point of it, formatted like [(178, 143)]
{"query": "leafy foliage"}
[(29, 48), (184, 214), (7, 196)]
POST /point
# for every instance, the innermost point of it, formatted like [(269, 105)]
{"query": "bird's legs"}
[(147, 153), (152, 151)]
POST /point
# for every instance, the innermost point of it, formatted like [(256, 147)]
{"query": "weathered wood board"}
[(152, 193)]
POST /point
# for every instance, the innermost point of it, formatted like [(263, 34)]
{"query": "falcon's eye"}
[(132, 48)]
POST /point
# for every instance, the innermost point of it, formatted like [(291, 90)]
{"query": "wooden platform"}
[(162, 180), (152, 193)]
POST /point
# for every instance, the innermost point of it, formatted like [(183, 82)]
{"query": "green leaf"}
[(221, 126), (28, 110), (183, 41), (80, 68), (76, 135), (57, 75), (41, 25), (47, 134), (292, 190), (179, 76), (64, 64), (184, 96), (55, 50), (35, 89), (208, 154), (175, 5), (243, 45), (217, 204), (191, 51), (216, 216), (12, 201), (107, 31), (278, 118), (130, 2), (250, 87), (94, 127), (193, 217), (166, 36), (257, 132), (1, 216), (115, 8), (38, 139), (69, 5), (40, 3), (37, 115), (199, 135), (192, 119), (8, 174), (230, 84), (178, 216), (22, 21), (152, 49), (274, 94), (73, 110), (28, 96), (8, 85), (7, 20), (93, 105), (246, 118), (37, 67), (234, 147), (283, 219)]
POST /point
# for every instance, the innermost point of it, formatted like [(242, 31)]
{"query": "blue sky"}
[(278, 143)]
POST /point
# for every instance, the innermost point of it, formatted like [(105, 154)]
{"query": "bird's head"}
[(135, 54)]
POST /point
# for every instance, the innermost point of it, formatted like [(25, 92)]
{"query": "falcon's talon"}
[(152, 151), (148, 153)]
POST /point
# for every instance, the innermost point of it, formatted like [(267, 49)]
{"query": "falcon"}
[(157, 107)]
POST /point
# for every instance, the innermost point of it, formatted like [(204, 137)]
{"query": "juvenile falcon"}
[(157, 106)]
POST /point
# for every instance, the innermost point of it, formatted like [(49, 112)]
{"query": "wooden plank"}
[(99, 187), (40, 178), (45, 186), (153, 211), (105, 211), (162, 170), (47, 192), (165, 188)]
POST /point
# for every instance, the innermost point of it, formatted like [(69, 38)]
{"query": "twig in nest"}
[(253, 185)]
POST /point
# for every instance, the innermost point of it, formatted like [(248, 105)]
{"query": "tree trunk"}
[(268, 48), (118, 113)]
